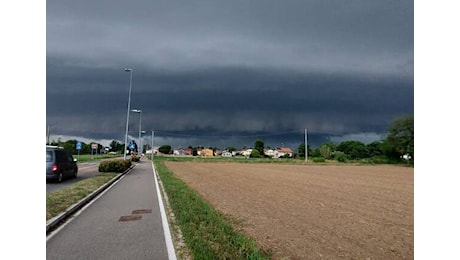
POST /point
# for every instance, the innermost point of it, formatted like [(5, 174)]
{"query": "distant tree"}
[(331, 145), (326, 149), (165, 149), (375, 148), (340, 156), (301, 150), (315, 152), (85, 148), (259, 146), (70, 146), (116, 146), (194, 151), (353, 149), (255, 154), (400, 138), (231, 149)]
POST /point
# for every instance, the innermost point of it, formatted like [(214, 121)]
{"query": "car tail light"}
[(54, 167)]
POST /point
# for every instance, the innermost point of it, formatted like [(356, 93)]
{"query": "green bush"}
[(340, 156), (255, 154), (318, 159), (165, 149), (380, 159), (118, 165)]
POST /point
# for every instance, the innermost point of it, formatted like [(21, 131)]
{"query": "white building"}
[(227, 154), (246, 153)]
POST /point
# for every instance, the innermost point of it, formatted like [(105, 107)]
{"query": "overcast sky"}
[(224, 73)]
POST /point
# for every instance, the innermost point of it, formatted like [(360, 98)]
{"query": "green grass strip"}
[(292, 161), (59, 201), (206, 232), (95, 157)]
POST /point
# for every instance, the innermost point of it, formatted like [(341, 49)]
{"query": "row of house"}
[(273, 153), (206, 152)]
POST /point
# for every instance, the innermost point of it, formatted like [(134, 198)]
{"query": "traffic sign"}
[(78, 145)]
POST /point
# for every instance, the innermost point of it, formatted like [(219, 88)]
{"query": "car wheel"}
[(60, 177), (75, 174)]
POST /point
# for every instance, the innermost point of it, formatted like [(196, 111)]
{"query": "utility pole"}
[(306, 146), (153, 134)]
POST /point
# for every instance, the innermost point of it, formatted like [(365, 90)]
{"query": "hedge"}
[(117, 165)]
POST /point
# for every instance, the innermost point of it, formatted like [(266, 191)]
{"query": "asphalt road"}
[(85, 170)]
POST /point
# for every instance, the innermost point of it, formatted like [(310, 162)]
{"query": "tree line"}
[(71, 146), (396, 147)]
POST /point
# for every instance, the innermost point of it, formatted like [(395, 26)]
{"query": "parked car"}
[(60, 164)]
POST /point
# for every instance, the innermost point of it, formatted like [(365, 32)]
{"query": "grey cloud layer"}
[(341, 35), (244, 98)]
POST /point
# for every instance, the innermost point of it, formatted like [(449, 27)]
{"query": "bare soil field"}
[(313, 211)]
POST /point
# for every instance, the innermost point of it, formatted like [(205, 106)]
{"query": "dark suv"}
[(60, 164)]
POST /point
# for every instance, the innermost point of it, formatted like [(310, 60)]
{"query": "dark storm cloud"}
[(318, 35), (249, 98), (335, 67)]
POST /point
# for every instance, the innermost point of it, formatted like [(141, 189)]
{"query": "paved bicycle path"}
[(125, 222)]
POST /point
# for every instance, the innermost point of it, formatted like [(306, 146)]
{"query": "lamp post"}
[(48, 136), (129, 105), (142, 141), (140, 125)]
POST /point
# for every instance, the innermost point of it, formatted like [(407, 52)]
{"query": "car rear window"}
[(49, 156)]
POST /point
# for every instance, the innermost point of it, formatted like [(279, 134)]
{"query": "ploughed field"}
[(313, 211)]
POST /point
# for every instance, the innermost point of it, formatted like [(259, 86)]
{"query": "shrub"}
[(118, 165), (165, 149), (255, 154), (318, 159), (340, 156), (378, 160)]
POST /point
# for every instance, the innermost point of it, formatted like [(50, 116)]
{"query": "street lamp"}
[(48, 136), (140, 125), (129, 105), (142, 141)]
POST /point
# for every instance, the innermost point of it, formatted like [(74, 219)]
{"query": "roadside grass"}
[(301, 161), (94, 157), (207, 233), (59, 201)]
